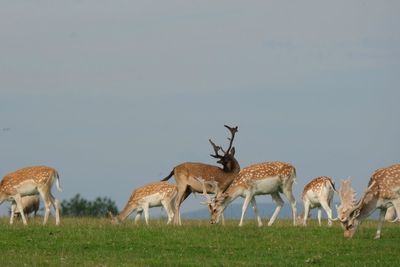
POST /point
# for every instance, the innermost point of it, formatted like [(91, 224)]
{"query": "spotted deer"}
[(31, 181), (265, 178), (383, 192), (316, 194), (187, 174), (149, 196), (30, 204)]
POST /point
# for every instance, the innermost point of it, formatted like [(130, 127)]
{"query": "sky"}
[(114, 94)]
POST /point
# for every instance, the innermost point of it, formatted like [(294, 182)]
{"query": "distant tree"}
[(78, 206)]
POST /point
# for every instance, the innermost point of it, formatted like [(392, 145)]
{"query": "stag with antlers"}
[(188, 173), (383, 192)]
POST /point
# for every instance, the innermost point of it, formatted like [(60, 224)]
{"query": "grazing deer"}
[(383, 192), (148, 196), (188, 173), (31, 181), (30, 204), (316, 194), (258, 179)]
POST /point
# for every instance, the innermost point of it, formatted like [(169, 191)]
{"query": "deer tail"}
[(57, 181), (169, 176)]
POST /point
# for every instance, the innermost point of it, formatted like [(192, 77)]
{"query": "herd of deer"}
[(23, 186)]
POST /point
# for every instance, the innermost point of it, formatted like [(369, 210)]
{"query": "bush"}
[(78, 206)]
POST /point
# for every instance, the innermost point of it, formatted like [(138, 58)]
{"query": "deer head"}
[(226, 160), (211, 201), (349, 210)]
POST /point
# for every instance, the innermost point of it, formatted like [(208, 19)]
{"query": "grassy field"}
[(95, 242)]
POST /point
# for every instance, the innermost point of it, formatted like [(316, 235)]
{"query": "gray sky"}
[(114, 94)]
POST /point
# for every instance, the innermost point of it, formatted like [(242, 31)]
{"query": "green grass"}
[(95, 242)]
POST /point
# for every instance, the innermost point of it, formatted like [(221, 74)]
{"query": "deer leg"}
[(328, 211), (279, 203), (185, 194), (287, 191), (244, 208), (146, 213), (306, 212), (396, 206), (222, 218), (137, 217), (168, 208), (55, 204), (319, 216), (254, 204), (380, 223), (13, 207), (178, 202), (18, 200), (47, 203)]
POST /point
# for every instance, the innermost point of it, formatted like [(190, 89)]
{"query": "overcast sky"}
[(114, 94)]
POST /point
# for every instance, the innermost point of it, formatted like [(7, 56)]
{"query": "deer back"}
[(192, 172), (36, 175)]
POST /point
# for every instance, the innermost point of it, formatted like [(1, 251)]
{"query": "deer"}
[(30, 204), (187, 174), (267, 178), (316, 194), (382, 193), (30, 181), (148, 196)]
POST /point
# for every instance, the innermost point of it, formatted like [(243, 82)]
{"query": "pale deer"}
[(30, 204), (31, 181), (383, 192), (187, 174), (318, 193), (148, 196), (265, 178)]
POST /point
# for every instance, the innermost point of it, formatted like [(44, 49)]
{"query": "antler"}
[(233, 131), (216, 149), (213, 184), (346, 193)]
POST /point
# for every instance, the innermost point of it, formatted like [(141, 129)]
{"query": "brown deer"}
[(148, 196), (188, 173), (30, 204), (383, 192), (264, 178), (316, 194), (31, 181)]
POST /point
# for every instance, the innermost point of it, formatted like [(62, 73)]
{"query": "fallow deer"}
[(148, 196), (383, 192), (30, 204), (258, 179), (316, 194), (31, 181), (187, 174)]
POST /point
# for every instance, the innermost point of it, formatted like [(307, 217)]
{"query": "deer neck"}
[(129, 208), (367, 206), (232, 193), (232, 167)]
